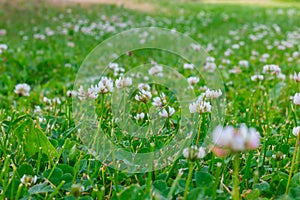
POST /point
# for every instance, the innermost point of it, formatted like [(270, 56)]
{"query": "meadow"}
[(251, 151)]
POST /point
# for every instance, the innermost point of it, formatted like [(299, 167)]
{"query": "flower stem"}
[(293, 163), (199, 131), (236, 188), (191, 168)]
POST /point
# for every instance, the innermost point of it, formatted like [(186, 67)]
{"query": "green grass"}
[(63, 165)]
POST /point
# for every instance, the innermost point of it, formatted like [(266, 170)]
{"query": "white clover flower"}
[(2, 32), (235, 70), (193, 153), (144, 86), (56, 100), (28, 180), (296, 54), (93, 91), (244, 63), (210, 59), (210, 67), (143, 96), (113, 66), (272, 69), (222, 137), (37, 109), (160, 101), (211, 94), (296, 99), (228, 52), (165, 113), (81, 93), (3, 47), (105, 85), (193, 80), (47, 100), (236, 140), (296, 131), (201, 153), (188, 66), (200, 107), (156, 70), (139, 116), (257, 77), (123, 82), (22, 89), (281, 76), (235, 46), (71, 93), (296, 77)]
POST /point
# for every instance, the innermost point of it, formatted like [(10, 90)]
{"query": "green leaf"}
[(66, 168), (55, 176), (295, 181), (85, 198), (254, 194), (32, 139), (196, 193), (40, 188), (133, 192), (68, 178), (162, 187), (25, 169), (294, 193), (204, 179)]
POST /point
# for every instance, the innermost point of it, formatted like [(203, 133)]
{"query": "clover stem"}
[(236, 189), (293, 163), (199, 131), (191, 168)]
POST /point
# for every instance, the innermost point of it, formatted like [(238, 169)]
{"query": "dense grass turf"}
[(46, 45)]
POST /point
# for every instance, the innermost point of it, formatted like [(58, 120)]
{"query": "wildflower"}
[(229, 139), (244, 63), (56, 100), (93, 91), (2, 32), (200, 106), (296, 131), (22, 89), (193, 153), (143, 96), (296, 99), (113, 66), (193, 80), (28, 180), (123, 82), (235, 70), (144, 86), (105, 85), (210, 94), (139, 116), (296, 77), (257, 77), (272, 69), (71, 93), (210, 59), (81, 93), (165, 113), (37, 109), (210, 66), (71, 44), (3, 47), (188, 66), (156, 70), (160, 101)]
